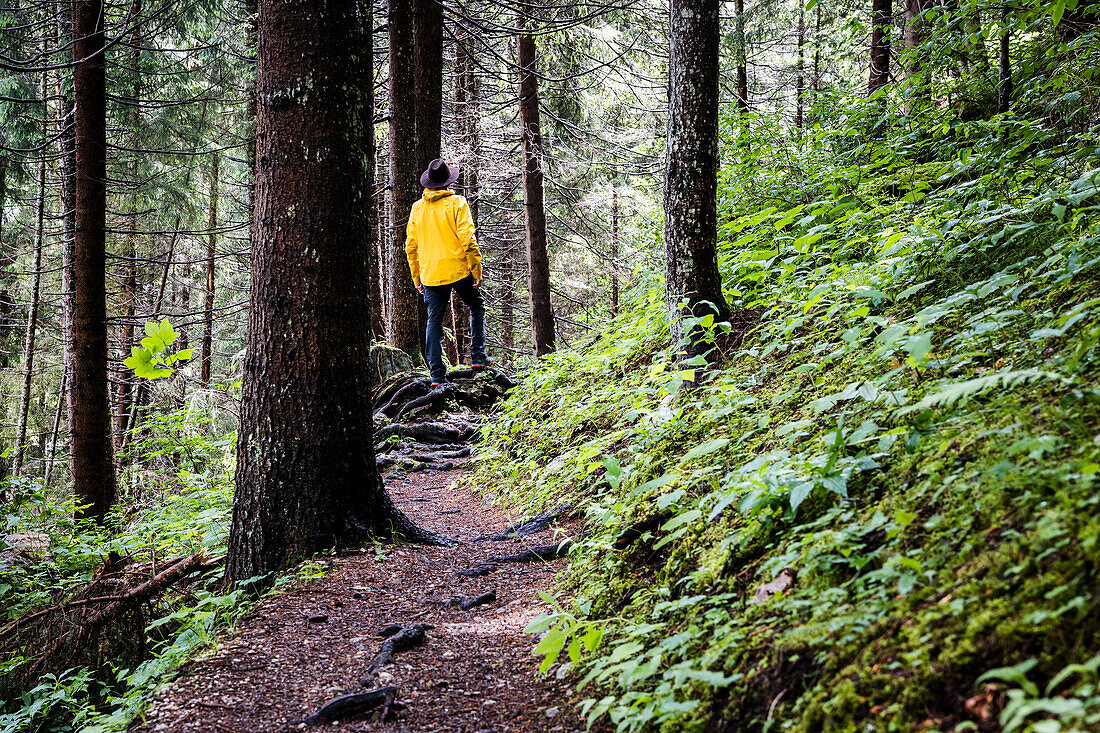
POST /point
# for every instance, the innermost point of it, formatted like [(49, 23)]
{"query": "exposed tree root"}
[(355, 704), (407, 637), (541, 553), (528, 526), (629, 535), (427, 432), (465, 603)]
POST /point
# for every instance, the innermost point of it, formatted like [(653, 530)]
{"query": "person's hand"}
[(420, 288), (477, 284)]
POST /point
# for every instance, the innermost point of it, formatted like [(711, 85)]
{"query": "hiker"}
[(443, 254)]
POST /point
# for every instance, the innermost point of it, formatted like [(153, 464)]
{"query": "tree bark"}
[(129, 288), (1004, 76), (914, 42), (614, 251), (67, 171), (881, 17), (507, 312), (211, 251), (404, 317), (32, 313), (306, 477), (92, 461), (374, 261), (800, 78), (742, 59), (428, 74), (538, 260), (691, 167)]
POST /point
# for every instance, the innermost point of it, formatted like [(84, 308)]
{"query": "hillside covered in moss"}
[(877, 508)]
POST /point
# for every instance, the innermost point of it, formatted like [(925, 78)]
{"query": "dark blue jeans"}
[(437, 297)]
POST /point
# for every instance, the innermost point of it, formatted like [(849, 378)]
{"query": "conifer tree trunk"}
[(64, 115), (403, 327), (32, 312), (881, 16), (817, 50), (507, 312), (914, 41), (306, 477), (211, 251), (377, 320), (538, 260), (800, 78), (614, 251), (742, 59), (1004, 75), (691, 166), (428, 72), (129, 287), (92, 461), (379, 308)]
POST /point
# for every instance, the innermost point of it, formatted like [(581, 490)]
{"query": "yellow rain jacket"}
[(440, 241)]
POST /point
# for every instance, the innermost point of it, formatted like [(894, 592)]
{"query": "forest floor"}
[(299, 649)]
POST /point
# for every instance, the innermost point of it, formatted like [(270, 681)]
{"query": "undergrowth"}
[(177, 499), (907, 444)]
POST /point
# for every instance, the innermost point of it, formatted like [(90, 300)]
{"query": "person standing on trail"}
[(442, 248)]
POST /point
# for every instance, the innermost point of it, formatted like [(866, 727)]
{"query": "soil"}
[(475, 673)]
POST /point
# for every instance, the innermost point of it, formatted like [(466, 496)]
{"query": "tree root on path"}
[(541, 553), (528, 526), (427, 432), (405, 638), (355, 704), (465, 603)]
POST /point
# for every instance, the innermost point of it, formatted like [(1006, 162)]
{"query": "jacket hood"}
[(434, 194)]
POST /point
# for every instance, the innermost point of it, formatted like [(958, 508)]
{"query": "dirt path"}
[(475, 672)]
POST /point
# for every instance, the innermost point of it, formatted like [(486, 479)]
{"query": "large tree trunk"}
[(306, 477), (93, 466), (211, 251), (428, 73), (881, 16), (404, 317), (691, 166), (534, 211)]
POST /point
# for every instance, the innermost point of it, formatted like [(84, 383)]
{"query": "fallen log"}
[(81, 635), (355, 704), (528, 526), (407, 637)]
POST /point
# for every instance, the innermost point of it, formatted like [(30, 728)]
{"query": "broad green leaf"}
[(705, 449)]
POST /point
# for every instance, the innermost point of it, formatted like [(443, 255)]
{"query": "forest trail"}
[(299, 649)]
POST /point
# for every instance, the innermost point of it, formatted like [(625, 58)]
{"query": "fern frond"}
[(960, 392)]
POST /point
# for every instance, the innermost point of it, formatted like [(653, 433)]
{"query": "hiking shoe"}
[(439, 382), (481, 363)]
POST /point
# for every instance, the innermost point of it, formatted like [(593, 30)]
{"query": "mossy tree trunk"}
[(306, 476), (92, 451), (691, 166)]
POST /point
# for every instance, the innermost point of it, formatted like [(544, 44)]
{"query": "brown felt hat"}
[(438, 175)]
